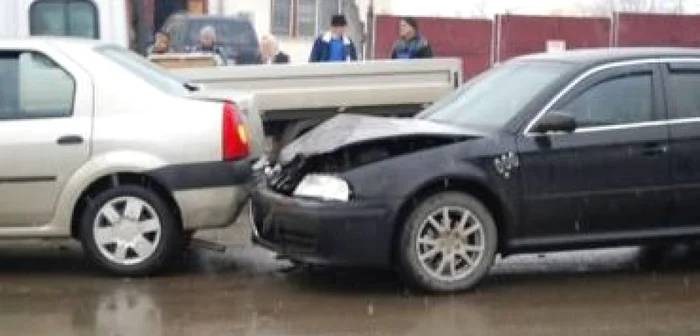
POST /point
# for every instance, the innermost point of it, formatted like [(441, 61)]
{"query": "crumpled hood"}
[(349, 129)]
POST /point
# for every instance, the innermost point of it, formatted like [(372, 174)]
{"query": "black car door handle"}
[(654, 149), (68, 140)]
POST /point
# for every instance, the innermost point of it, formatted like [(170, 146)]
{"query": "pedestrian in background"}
[(335, 45), (161, 45), (270, 53), (207, 45), (411, 44)]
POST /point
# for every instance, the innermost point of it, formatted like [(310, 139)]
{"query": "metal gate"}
[(481, 43), (469, 40)]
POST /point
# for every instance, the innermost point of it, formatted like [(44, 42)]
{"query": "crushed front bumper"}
[(317, 232)]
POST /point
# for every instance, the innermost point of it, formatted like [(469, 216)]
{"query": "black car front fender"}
[(403, 182)]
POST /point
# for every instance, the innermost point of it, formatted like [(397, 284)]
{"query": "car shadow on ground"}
[(44, 259), (519, 272), (59, 258)]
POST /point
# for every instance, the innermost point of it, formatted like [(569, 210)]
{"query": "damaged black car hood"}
[(347, 129)]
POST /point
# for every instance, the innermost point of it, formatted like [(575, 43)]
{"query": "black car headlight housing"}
[(324, 187)]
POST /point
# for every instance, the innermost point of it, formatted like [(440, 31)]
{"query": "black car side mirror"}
[(555, 122)]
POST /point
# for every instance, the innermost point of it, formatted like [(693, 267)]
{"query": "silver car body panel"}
[(129, 126)]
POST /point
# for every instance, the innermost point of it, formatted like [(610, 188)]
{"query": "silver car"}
[(100, 145)]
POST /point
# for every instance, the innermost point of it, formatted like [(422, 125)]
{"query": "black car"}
[(235, 36), (548, 152)]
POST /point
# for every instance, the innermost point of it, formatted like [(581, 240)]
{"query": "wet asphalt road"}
[(48, 289)]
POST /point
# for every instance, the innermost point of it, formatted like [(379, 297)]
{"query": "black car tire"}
[(409, 264), (168, 246)]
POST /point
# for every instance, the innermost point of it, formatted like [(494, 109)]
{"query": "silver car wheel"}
[(450, 243), (127, 230)]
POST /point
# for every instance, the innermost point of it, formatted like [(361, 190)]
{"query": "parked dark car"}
[(234, 35), (548, 152)]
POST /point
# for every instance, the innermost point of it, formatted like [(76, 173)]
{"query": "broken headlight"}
[(325, 187)]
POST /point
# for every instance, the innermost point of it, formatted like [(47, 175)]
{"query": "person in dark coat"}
[(335, 45), (270, 53), (411, 44)]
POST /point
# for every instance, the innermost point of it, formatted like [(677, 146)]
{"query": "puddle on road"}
[(246, 292)]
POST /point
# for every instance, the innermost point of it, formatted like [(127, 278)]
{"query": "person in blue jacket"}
[(411, 44), (335, 45)]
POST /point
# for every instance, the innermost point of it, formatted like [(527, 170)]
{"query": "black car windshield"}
[(495, 97)]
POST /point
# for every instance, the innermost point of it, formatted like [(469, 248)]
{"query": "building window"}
[(306, 17), (64, 18), (303, 18), (282, 17)]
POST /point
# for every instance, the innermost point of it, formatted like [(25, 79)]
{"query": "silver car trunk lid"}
[(253, 119)]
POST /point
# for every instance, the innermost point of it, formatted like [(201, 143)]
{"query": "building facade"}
[(296, 23)]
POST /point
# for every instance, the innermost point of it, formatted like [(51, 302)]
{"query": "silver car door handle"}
[(68, 140)]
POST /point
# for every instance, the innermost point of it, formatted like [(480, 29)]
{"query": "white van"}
[(106, 20)]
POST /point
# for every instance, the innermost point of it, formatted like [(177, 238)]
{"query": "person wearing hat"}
[(335, 45), (411, 44)]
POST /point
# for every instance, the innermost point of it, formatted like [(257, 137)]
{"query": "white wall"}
[(299, 49), (380, 6), (259, 10), (9, 24), (14, 20)]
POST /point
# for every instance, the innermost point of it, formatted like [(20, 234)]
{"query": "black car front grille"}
[(283, 182), (284, 179)]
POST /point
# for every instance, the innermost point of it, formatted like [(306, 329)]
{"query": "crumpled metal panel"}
[(349, 129)]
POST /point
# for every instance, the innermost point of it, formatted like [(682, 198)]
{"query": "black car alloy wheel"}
[(448, 243)]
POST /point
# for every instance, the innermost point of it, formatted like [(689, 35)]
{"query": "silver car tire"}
[(130, 231)]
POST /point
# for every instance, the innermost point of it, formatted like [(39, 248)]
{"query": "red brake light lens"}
[(234, 135)]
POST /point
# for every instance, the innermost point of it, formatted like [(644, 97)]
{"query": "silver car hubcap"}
[(450, 243), (127, 230)]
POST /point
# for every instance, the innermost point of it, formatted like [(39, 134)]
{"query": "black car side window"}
[(685, 94), (619, 100)]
